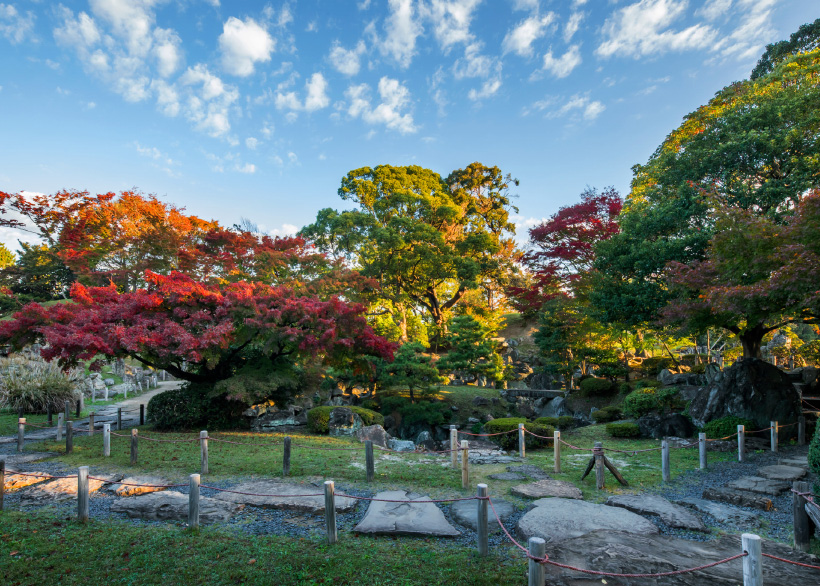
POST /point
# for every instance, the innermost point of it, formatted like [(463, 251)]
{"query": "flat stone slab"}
[(17, 481), (63, 489), (782, 472), (741, 498), (723, 513), (465, 513), (760, 485), (673, 515), (558, 519), (170, 505), (494, 457), (529, 470), (547, 488), (13, 460), (126, 489), (286, 496), (416, 516), (508, 476), (799, 461)]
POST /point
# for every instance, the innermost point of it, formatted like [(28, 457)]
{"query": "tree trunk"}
[(752, 342), (402, 322)]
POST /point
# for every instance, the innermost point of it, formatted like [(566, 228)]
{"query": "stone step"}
[(760, 485), (782, 472), (741, 498)]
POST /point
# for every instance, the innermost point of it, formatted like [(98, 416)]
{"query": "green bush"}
[(319, 417), (726, 426), (426, 412), (653, 366), (623, 429), (596, 387), (646, 400), (648, 383), (563, 423), (509, 441), (624, 389), (194, 406), (607, 414), (669, 399), (814, 455)]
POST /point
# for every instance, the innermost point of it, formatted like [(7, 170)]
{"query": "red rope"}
[(488, 434), (46, 476), (774, 557), (364, 498), (254, 494), (655, 575), (36, 424), (538, 436), (104, 481)]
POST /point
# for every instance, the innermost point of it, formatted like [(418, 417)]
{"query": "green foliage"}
[(509, 441), (472, 350), (563, 423), (624, 389), (195, 406), (38, 275), (725, 426), (805, 38), (412, 370), (420, 412), (653, 366), (34, 385), (7, 257), (640, 402), (607, 414), (596, 387), (319, 418), (623, 429), (648, 384), (387, 323), (814, 453)]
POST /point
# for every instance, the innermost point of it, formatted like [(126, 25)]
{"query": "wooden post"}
[(286, 457), (665, 472), (556, 449), (774, 431), (369, 463), (330, 512), (142, 414), (105, 396), (465, 463), (21, 433), (702, 450), (125, 392), (802, 527), (598, 453), (752, 563), (82, 494), (801, 430), (483, 526), (741, 443), (67, 407), (119, 418), (134, 445), (91, 423), (454, 446), (80, 405), (2, 480), (538, 550), (203, 449), (58, 435), (193, 501), (48, 414), (106, 440), (69, 437), (521, 444)]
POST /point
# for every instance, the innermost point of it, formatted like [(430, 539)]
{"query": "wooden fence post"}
[(330, 512), (465, 464), (119, 418), (134, 445), (702, 450), (91, 423), (286, 457), (369, 463), (752, 563), (21, 433), (193, 501), (82, 494), (774, 431), (483, 525), (741, 443), (665, 471), (106, 440), (142, 414), (67, 412), (203, 449), (598, 453), (454, 446), (556, 450), (58, 434), (48, 414), (2, 480), (538, 549), (79, 406), (802, 527), (521, 442), (801, 430), (69, 437)]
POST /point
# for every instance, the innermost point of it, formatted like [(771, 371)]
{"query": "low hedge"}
[(607, 414), (814, 455), (643, 401), (509, 441), (194, 406), (726, 426), (623, 429), (593, 387), (653, 366), (563, 423), (319, 417)]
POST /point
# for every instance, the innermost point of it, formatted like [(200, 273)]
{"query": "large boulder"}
[(344, 421), (750, 389), (557, 407), (409, 514), (374, 433), (669, 425)]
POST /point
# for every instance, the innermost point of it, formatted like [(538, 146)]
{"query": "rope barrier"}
[(266, 495), (488, 434), (774, 557), (38, 475), (106, 481), (454, 500)]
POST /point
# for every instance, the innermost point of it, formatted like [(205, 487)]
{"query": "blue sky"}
[(258, 109)]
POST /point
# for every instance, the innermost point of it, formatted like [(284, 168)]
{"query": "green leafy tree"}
[(472, 350), (38, 275), (6, 256), (805, 38), (412, 370)]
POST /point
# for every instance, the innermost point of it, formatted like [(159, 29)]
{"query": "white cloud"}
[(363, 5), (243, 45), (15, 26), (562, 66), (401, 29), (714, 9), (312, 27), (394, 99), (588, 109), (572, 26), (347, 62), (520, 39), (642, 29), (316, 96), (209, 100), (285, 230), (167, 51), (754, 30), (526, 5), (248, 168), (487, 89), (78, 33), (167, 97), (52, 64), (451, 20), (153, 153), (251, 143), (131, 21), (474, 64), (90, 105)]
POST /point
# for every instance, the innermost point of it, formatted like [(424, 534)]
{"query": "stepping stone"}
[(13, 460), (800, 462), (170, 505), (782, 472), (651, 504), (63, 489), (721, 512), (558, 519), (18, 481), (465, 513), (759, 485), (741, 498), (287, 496), (533, 472), (491, 458), (123, 490), (547, 488), (415, 516), (508, 476)]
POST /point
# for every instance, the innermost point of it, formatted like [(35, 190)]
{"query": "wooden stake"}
[(556, 449), (665, 471), (82, 494), (286, 457), (119, 418), (774, 431), (203, 449), (702, 450), (802, 528), (741, 443), (21, 433), (521, 442), (454, 446), (801, 431), (330, 512), (465, 470), (598, 454), (58, 435), (69, 437), (752, 563), (538, 550), (107, 440), (91, 423), (2, 480), (193, 501), (142, 414), (483, 523), (134, 445)]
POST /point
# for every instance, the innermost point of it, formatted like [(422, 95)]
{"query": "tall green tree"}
[(412, 370), (472, 350)]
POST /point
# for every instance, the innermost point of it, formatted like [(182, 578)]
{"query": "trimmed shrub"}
[(193, 406), (510, 441), (563, 423), (646, 400), (623, 429), (591, 387), (653, 366), (648, 383), (430, 413), (607, 414), (319, 417), (624, 389), (814, 455), (726, 426)]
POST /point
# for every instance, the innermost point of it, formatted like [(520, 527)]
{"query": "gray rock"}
[(547, 488), (558, 519), (279, 420), (416, 516), (721, 512), (465, 513), (13, 482), (651, 504), (556, 408), (781, 472), (741, 498), (529, 470), (344, 421), (287, 496), (481, 402), (507, 476), (127, 490), (63, 489), (401, 445), (660, 426), (759, 485), (799, 461), (170, 505), (374, 433)]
